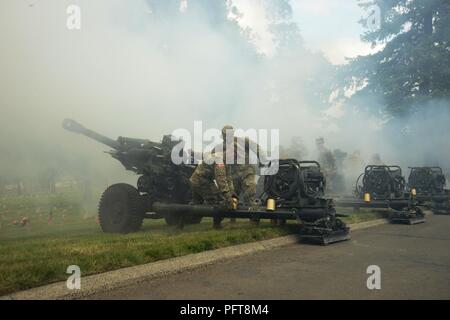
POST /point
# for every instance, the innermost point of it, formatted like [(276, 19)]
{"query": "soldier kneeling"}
[(212, 183)]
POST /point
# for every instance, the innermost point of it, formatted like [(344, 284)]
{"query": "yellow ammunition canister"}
[(235, 203), (270, 205)]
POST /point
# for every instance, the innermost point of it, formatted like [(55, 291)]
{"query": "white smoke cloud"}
[(128, 73)]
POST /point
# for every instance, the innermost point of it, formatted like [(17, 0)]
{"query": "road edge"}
[(123, 277)]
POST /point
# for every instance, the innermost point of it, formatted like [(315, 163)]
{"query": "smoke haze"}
[(138, 72)]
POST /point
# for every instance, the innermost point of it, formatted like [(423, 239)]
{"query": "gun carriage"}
[(428, 185), (382, 186), (295, 192)]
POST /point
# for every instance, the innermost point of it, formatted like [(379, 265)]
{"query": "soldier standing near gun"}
[(327, 163), (353, 166), (376, 160), (212, 181), (240, 177), (243, 172)]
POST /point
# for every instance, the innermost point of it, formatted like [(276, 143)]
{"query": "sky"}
[(329, 26), (332, 27)]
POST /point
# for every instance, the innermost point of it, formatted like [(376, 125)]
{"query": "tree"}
[(414, 65), (214, 15), (300, 75), (285, 32)]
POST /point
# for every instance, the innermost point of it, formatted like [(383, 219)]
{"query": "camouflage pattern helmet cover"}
[(227, 127)]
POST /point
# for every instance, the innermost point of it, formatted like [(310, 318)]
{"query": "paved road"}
[(414, 262)]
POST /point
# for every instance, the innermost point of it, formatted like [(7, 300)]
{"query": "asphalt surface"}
[(414, 262)]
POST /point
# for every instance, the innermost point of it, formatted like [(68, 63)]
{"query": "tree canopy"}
[(413, 66)]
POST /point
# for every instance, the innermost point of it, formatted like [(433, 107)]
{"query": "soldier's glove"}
[(235, 200), (255, 205)]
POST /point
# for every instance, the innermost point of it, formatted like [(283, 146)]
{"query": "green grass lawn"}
[(62, 232), (362, 215)]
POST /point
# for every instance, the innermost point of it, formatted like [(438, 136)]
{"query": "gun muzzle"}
[(73, 126)]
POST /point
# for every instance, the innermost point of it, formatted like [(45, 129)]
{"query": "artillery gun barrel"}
[(73, 126)]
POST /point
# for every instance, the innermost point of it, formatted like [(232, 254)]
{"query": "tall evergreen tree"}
[(413, 65)]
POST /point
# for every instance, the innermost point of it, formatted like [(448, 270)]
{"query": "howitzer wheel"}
[(120, 209)]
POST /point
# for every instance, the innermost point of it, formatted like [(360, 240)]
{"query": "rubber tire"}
[(120, 209)]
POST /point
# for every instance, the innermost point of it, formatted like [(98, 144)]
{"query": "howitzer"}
[(163, 191), (382, 186), (299, 187), (428, 185), (294, 193), (160, 178)]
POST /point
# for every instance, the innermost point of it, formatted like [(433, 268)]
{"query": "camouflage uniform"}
[(244, 175), (328, 163), (354, 162), (229, 178), (376, 160), (339, 179), (212, 183), (297, 150), (353, 166), (244, 181)]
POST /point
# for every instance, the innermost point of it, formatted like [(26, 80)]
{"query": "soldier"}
[(376, 160), (243, 174), (354, 162), (296, 150), (327, 162), (244, 181), (339, 180), (353, 166), (212, 180), (339, 157)]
